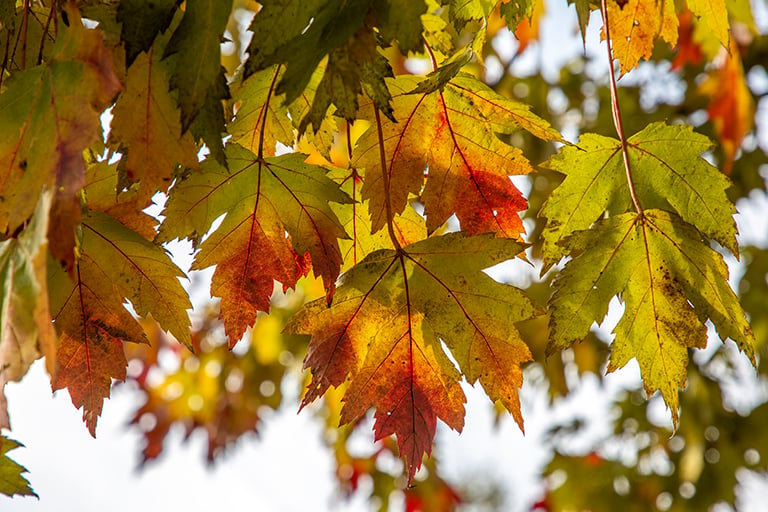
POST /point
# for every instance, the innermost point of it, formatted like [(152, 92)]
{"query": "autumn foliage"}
[(349, 208)]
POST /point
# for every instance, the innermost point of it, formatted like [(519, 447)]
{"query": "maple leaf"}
[(671, 283), (12, 483), (452, 133), (466, 10), (352, 66), (731, 108), (525, 23), (667, 171), (299, 34), (714, 14), (516, 11), (263, 199), (142, 22), (399, 20), (101, 195), (635, 26), (688, 49), (146, 125), (383, 330), (409, 227), (260, 121), (26, 332), (196, 40), (115, 265), (49, 114), (36, 31)]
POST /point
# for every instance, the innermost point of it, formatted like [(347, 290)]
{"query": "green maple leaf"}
[(516, 11), (197, 68), (383, 333), (671, 283), (400, 20), (12, 483), (466, 10), (668, 173), (300, 33), (261, 120), (263, 199), (141, 23), (352, 67), (37, 33), (115, 264)]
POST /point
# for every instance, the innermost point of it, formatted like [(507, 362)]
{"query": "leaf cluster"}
[(315, 152)]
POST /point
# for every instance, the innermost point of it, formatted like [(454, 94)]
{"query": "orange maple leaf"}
[(527, 30), (636, 25), (731, 108), (384, 328), (93, 325), (450, 135), (115, 265), (688, 50), (271, 197)]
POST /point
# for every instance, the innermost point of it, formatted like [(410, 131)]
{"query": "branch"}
[(616, 111)]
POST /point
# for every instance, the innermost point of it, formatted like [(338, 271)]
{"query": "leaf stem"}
[(385, 177), (616, 111), (354, 192), (24, 28), (45, 32), (431, 55)]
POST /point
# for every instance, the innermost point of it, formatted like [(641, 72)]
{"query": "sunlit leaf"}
[(671, 283), (383, 333), (451, 135), (147, 126), (667, 170), (263, 199), (115, 265)]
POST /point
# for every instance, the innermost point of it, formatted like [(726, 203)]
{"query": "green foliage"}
[(11, 481)]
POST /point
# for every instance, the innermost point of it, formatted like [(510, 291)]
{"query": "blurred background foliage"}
[(641, 464)]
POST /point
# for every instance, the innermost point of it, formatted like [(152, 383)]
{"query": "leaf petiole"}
[(616, 111)]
